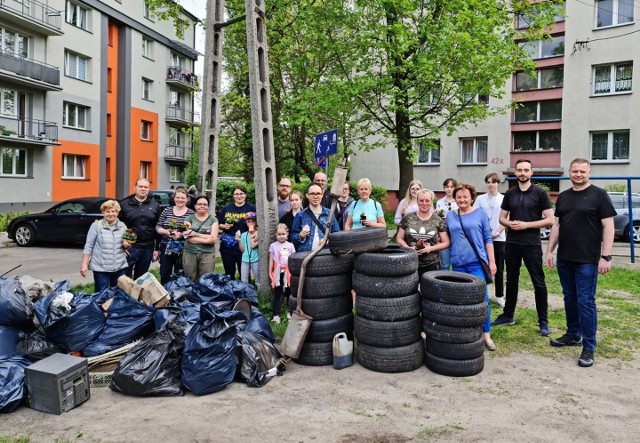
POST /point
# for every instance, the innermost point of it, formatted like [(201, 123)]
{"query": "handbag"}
[(485, 266), (228, 241)]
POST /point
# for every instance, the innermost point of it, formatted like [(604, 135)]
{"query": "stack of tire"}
[(326, 297), (387, 322), (453, 311)]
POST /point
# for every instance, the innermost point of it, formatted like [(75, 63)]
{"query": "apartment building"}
[(93, 95), (579, 104)]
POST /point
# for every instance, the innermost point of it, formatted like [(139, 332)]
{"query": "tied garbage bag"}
[(127, 320), (16, 308), (260, 325), (36, 347), (260, 360), (215, 288), (152, 368), (244, 290), (73, 329), (181, 288), (186, 312), (12, 387), (209, 361)]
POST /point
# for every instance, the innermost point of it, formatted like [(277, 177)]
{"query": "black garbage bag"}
[(186, 311), (35, 347), (16, 308), (74, 328), (163, 314), (152, 367), (181, 288), (12, 387), (209, 361), (244, 290), (215, 288), (127, 320), (260, 325), (260, 359)]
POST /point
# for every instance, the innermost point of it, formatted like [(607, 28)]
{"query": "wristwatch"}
[(606, 257)]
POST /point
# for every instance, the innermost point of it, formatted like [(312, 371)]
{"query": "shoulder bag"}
[(485, 266)]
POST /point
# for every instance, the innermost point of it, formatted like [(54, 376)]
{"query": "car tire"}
[(386, 334), (391, 360), (455, 315), (388, 309), (384, 287), (324, 330), (450, 287), (390, 261), (358, 241), (451, 334), (324, 263), (635, 233), (322, 287), (454, 368), (325, 308), (457, 351), (316, 354), (24, 235)]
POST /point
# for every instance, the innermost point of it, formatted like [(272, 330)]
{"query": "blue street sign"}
[(326, 143), (321, 162)]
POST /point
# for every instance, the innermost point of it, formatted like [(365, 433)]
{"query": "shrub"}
[(6, 218)]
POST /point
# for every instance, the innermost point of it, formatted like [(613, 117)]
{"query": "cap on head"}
[(251, 216)]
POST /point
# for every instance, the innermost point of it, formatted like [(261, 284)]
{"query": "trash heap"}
[(198, 336)]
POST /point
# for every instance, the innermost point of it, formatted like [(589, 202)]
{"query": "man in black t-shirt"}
[(584, 230), (525, 209)]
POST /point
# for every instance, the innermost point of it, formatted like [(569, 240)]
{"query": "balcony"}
[(29, 72), (33, 15), (28, 131), (178, 152), (178, 76), (181, 116)]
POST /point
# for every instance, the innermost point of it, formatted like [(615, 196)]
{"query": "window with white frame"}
[(524, 21), (8, 99), (14, 43), (74, 166), (553, 47), (614, 12), (612, 145), (545, 78), (538, 111), (176, 174), (473, 150), (428, 152), (146, 11), (145, 170), (147, 47), (76, 65), (176, 136), (537, 140), (75, 116), (177, 60), (147, 88), (77, 15), (13, 162), (177, 99), (145, 130), (611, 79)]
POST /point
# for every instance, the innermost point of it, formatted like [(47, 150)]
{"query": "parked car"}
[(164, 197), (68, 222), (621, 221)]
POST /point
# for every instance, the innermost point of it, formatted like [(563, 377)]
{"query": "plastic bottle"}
[(342, 351)]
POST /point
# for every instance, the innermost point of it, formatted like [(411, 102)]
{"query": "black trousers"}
[(532, 257)]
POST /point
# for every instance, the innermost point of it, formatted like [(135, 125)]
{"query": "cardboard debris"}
[(147, 289), (129, 286)]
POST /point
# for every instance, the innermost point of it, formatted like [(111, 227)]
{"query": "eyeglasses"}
[(238, 193), (202, 204), (284, 186), (315, 194)]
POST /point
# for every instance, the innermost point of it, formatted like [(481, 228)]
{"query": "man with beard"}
[(583, 231), (521, 211), (284, 189)]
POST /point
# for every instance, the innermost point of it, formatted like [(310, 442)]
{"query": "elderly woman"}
[(470, 231), (104, 250), (365, 212), (409, 203), (171, 227), (425, 232), (199, 248)]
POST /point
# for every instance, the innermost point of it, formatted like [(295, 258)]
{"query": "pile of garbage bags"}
[(209, 334)]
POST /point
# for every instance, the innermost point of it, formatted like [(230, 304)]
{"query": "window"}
[(177, 99), (147, 47), (176, 136), (76, 65), (612, 145), (539, 111), (109, 79), (613, 12), (553, 47), (176, 174), (13, 161), (177, 60), (524, 22), (146, 88), (73, 166), (76, 15), (544, 79), (610, 79), (8, 99), (107, 169), (14, 43), (145, 169), (109, 122), (145, 130), (75, 116), (428, 152), (146, 12), (537, 140), (473, 150)]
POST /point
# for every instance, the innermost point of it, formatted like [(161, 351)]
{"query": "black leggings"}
[(231, 263)]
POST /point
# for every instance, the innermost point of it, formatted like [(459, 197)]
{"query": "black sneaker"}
[(586, 358), (502, 320), (565, 340)]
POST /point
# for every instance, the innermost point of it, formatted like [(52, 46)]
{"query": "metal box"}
[(57, 383)]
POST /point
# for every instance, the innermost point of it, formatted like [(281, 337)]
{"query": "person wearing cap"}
[(248, 242), (193, 193)]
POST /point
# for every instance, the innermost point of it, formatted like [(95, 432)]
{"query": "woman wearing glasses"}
[(233, 224), (443, 207), (409, 203), (365, 212), (199, 249)]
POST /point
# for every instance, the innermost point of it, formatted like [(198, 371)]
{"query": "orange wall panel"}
[(63, 189), (143, 150), (112, 108)]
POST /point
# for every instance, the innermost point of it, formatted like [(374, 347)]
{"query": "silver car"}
[(621, 221)]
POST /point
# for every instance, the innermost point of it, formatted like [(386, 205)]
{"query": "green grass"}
[(18, 438), (438, 431)]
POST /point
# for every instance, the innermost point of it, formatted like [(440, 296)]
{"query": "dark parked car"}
[(68, 222), (163, 197)]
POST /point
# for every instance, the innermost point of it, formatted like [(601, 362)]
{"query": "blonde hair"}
[(426, 191), (407, 197), (110, 204), (282, 226), (364, 181)]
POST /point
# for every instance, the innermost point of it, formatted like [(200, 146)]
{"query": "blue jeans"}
[(139, 260), (104, 280), (579, 282), (532, 257), (475, 269), (445, 259)]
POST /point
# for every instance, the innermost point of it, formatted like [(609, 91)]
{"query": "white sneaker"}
[(500, 301), (276, 319), (288, 315)]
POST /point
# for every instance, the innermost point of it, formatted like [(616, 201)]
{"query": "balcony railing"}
[(181, 114), (181, 75), (28, 128), (35, 11), (178, 152), (33, 69)]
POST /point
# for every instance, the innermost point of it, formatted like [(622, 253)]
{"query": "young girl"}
[(248, 243), (443, 207), (279, 252)]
